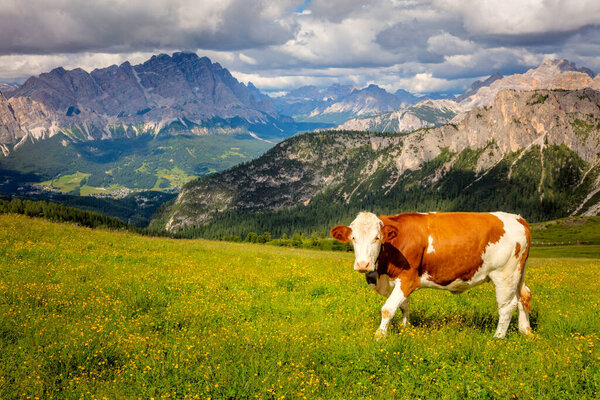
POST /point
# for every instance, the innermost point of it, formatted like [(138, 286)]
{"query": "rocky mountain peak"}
[(551, 74), (551, 66), (163, 89)]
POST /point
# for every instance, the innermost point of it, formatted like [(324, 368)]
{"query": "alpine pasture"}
[(109, 314)]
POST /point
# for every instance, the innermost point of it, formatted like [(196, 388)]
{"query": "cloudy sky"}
[(420, 46)]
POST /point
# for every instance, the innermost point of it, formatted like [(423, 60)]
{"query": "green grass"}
[(66, 183), (564, 231), (94, 313), (232, 153), (573, 251)]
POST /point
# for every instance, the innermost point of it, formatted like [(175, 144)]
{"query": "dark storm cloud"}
[(409, 39), (47, 27), (418, 44)]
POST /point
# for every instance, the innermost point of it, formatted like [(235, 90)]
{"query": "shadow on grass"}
[(482, 321)]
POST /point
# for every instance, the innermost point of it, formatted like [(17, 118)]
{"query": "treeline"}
[(317, 241), (61, 213)]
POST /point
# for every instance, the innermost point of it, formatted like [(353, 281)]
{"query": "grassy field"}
[(565, 231), (92, 313), (66, 183)]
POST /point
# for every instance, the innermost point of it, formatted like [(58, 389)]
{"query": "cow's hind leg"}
[(405, 307), (524, 306), (506, 296)]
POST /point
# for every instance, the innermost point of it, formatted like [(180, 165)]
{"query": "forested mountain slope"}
[(534, 152)]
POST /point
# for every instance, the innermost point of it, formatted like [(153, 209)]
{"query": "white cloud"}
[(447, 44), (247, 59), (418, 45), (518, 17), (274, 83)]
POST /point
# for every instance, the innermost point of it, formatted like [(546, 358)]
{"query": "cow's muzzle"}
[(363, 266)]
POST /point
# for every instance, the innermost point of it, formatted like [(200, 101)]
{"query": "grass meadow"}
[(103, 314)]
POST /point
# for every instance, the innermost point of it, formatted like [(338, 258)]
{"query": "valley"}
[(526, 143), (110, 167)]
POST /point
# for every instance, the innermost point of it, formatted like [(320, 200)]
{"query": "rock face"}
[(544, 143), (10, 131), (551, 74), (182, 88), (425, 114)]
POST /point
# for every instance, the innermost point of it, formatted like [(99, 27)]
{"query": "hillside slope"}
[(536, 153), (93, 313)]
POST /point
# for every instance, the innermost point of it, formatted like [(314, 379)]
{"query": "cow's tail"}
[(523, 291)]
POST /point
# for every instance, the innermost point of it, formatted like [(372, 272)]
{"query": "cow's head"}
[(367, 233)]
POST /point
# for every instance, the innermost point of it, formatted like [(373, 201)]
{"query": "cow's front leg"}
[(389, 309)]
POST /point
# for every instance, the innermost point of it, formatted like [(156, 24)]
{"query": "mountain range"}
[(533, 149), (114, 130), (551, 74), (525, 142), (165, 93), (338, 103)]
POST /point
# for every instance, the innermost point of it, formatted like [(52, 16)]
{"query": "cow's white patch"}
[(501, 255), (430, 248)]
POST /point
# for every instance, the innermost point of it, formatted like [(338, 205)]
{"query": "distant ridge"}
[(551, 74), (127, 100)]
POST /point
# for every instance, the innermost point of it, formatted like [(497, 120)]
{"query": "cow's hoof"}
[(379, 334), (527, 332)]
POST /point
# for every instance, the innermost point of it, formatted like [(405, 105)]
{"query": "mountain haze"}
[(339, 103), (425, 114)]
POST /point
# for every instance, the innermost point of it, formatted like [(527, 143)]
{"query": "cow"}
[(451, 251)]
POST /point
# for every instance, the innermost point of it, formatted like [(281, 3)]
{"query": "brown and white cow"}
[(451, 251)]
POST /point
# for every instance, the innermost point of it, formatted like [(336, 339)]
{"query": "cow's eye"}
[(378, 237), (352, 238)]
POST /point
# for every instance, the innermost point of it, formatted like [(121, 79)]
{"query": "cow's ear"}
[(388, 233), (341, 233)]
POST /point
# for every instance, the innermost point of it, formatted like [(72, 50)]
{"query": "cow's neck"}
[(390, 261)]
